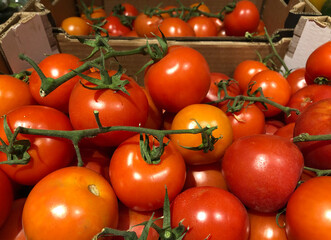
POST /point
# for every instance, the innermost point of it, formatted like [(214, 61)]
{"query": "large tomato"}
[(262, 171), (179, 79), (55, 66), (46, 153), (204, 115), (210, 213), (6, 197), (315, 120), (308, 210), (140, 185), (175, 27), (70, 203), (115, 108)]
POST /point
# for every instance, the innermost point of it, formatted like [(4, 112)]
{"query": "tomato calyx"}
[(322, 81), (118, 11), (87, 11)]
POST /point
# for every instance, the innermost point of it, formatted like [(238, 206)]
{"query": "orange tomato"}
[(75, 26)]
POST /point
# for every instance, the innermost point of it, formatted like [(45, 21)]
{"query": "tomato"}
[(308, 210), (77, 200), (272, 126), (132, 33), (305, 97), (96, 12), (13, 93), (286, 131), (75, 26), (6, 197), (203, 26), (204, 115), (245, 70), (203, 7), (140, 185), (179, 79), (248, 121), (13, 224), (129, 10), (275, 87), (218, 23), (21, 235), (114, 26), (244, 18), (55, 66), (175, 27), (47, 153), (315, 120), (269, 174), (115, 108), (201, 209), (297, 80), (260, 31), (167, 15), (264, 226), (155, 116), (318, 64), (146, 26), (205, 175)]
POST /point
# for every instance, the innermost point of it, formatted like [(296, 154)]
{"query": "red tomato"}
[(132, 33), (244, 18), (245, 70), (140, 185), (205, 115), (318, 64), (130, 10), (286, 131), (47, 153), (76, 26), (115, 108), (179, 79), (203, 26), (13, 93), (315, 120), (6, 197), (272, 126), (175, 27), (260, 31), (201, 209), (308, 210), (269, 174), (275, 87), (55, 66), (114, 26), (305, 97), (146, 26), (77, 200), (297, 80), (218, 23)]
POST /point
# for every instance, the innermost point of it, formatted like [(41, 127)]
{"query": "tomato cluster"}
[(88, 155)]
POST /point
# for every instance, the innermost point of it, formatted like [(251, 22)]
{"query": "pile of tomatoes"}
[(196, 21), (230, 184)]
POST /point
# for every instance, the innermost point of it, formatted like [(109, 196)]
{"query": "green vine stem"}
[(319, 172), (305, 137)]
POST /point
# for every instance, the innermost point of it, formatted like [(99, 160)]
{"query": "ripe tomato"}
[(275, 87), (201, 209), (179, 79), (115, 108), (55, 66), (203, 7), (129, 10), (205, 115), (218, 23), (175, 27), (146, 26), (114, 26), (97, 12), (272, 126), (132, 33), (286, 131), (318, 64), (203, 26), (315, 120), (13, 93), (167, 15), (140, 185), (297, 80), (260, 31), (47, 153), (269, 174), (77, 200), (155, 116), (308, 210), (6, 197), (244, 18), (75, 26), (245, 70)]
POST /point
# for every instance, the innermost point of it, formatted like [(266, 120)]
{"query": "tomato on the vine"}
[(77, 26), (146, 26), (175, 27), (297, 80), (203, 26), (114, 26)]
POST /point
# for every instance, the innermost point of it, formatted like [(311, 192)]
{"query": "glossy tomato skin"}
[(13, 93), (115, 108), (175, 27), (205, 115), (114, 26), (146, 26), (81, 215), (262, 171), (244, 18), (297, 80), (141, 186), (204, 208), (315, 120), (318, 64), (203, 26), (6, 197), (308, 209), (179, 79), (47, 153), (75, 26), (55, 66), (130, 9), (286, 131)]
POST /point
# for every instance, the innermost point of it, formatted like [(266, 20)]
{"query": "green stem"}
[(319, 172), (305, 137)]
